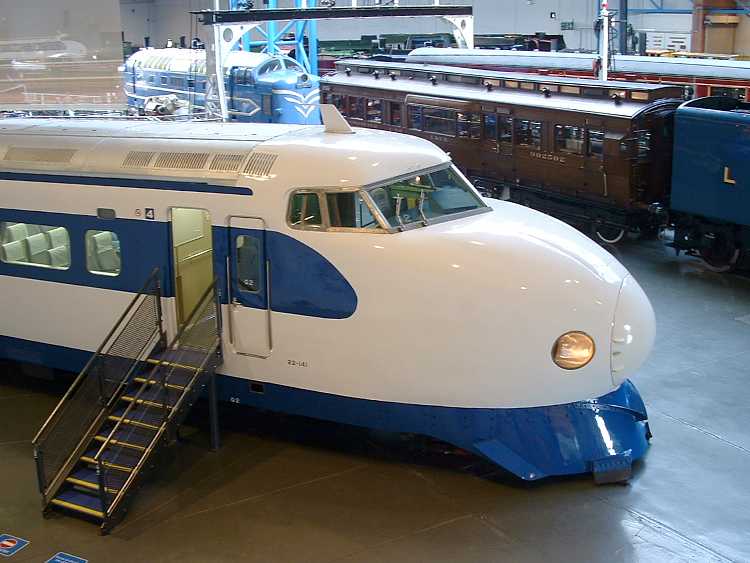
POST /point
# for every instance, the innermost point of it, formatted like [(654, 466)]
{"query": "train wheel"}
[(608, 234), (721, 256)]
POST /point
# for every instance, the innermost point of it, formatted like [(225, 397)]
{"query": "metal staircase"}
[(126, 406)]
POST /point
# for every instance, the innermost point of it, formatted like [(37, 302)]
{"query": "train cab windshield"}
[(426, 198)]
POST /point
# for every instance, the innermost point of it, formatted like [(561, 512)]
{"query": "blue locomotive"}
[(260, 88), (710, 199)]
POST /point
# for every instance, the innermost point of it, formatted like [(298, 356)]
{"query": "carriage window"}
[(191, 83), (374, 111), (441, 121), (304, 211), (163, 80), (45, 246), (356, 107), (469, 125), (738, 93), (490, 127), (643, 143), (348, 209), (528, 133), (569, 138), (415, 117), (248, 263), (596, 143), (103, 253), (338, 101), (395, 114)]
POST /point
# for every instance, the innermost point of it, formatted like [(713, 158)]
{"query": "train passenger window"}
[(395, 114), (248, 263), (191, 83), (738, 93), (304, 211), (505, 134), (528, 133), (489, 121), (570, 89), (415, 117), (163, 80), (348, 209), (45, 246), (338, 101), (374, 111), (469, 125), (103, 253), (569, 138), (596, 143), (441, 121), (357, 107)]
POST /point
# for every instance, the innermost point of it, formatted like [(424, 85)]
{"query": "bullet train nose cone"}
[(633, 330)]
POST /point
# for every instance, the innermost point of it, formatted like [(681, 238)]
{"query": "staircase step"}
[(153, 395), (178, 379), (85, 503), (87, 478), (140, 415), (122, 459), (185, 358), (128, 435)]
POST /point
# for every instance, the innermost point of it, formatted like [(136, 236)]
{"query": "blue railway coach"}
[(710, 201), (260, 88)]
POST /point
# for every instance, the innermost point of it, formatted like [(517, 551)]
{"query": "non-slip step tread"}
[(86, 477), (139, 414), (116, 457), (79, 501), (183, 357), (153, 394), (127, 435)]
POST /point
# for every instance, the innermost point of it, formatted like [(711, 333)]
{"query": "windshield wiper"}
[(421, 208), (399, 198)]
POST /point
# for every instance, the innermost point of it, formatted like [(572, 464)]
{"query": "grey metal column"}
[(623, 27)]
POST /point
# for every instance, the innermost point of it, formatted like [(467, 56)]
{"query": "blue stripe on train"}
[(200, 187), (144, 245), (532, 442)]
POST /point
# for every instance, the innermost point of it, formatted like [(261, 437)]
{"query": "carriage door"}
[(249, 310), (192, 255)]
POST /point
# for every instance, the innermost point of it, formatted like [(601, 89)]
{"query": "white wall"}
[(163, 19)]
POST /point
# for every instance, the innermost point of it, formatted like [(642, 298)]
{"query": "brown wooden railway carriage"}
[(597, 154)]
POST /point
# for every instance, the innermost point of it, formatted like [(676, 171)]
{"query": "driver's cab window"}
[(349, 210), (270, 66), (304, 211)]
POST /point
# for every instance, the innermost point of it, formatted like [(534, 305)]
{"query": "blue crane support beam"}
[(210, 17)]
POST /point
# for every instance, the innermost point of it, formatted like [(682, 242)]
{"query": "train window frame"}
[(589, 152), (89, 237), (399, 113), (562, 147), (517, 123), (371, 117), (378, 221), (411, 111), (244, 284), (472, 127), (352, 102), (42, 233), (306, 226), (163, 80), (565, 89), (639, 96), (428, 118)]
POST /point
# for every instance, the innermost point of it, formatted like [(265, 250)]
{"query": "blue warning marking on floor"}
[(10, 545), (66, 558)]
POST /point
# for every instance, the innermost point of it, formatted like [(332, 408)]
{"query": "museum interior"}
[(218, 217)]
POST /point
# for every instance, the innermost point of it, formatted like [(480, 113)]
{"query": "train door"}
[(192, 256), (249, 303)]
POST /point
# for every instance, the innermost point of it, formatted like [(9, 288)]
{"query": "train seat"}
[(59, 257), (15, 232), (57, 236), (14, 251), (37, 246), (106, 255)]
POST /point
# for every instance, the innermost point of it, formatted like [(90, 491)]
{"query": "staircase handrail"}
[(74, 386), (174, 346)]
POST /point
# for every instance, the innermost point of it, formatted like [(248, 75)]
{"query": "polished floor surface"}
[(286, 489)]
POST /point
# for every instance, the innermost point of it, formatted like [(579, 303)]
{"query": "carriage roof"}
[(420, 85), (191, 60)]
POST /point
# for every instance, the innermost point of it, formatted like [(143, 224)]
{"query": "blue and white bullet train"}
[(364, 281), (260, 88)]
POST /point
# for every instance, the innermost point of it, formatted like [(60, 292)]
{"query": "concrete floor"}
[(286, 489)]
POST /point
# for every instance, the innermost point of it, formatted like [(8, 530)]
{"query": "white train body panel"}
[(461, 314)]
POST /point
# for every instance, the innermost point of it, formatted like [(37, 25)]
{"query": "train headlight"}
[(573, 350)]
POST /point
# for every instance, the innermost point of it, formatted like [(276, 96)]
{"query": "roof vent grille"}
[(182, 160), (30, 154), (260, 164), (138, 159), (226, 162)]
